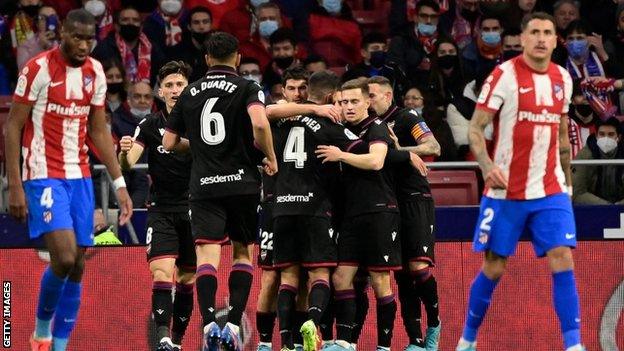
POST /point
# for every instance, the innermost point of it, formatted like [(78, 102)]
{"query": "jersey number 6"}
[(212, 124)]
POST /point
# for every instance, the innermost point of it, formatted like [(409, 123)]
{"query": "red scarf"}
[(106, 24), (173, 31), (489, 52), (136, 72), (461, 32)]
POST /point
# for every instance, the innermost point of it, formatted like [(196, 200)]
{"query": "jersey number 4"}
[(295, 147), (212, 124)]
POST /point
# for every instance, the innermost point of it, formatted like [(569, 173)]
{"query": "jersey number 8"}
[(212, 124)]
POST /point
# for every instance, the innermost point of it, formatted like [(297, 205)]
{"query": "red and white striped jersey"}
[(528, 107), (53, 141)]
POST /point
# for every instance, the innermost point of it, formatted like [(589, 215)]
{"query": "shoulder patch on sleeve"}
[(378, 122), (261, 96), (20, 87), (137, 131), (350, 134)]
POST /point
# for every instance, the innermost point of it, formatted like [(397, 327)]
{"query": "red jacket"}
[(338, 40)]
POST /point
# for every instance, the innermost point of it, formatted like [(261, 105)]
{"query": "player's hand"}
[(17, 203), (330, 111), (419, 164), (125, 144), (269, 166), (495, 178), (395, 139), (125, 205), (328, 153)]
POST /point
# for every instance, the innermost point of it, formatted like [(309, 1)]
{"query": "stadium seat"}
[(454, 187), (373, 19), (333, 52)]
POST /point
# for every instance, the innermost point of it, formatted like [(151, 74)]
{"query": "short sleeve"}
[(378, 133), (567, 90), (99, 93), (255, 95), (416, 125), (32, 79), (175, 122), (494, 91), (140, 133)]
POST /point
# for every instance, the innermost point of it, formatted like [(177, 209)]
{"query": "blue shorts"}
[(61, 204), (549, 222)]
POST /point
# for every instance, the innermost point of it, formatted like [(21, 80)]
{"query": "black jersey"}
[(170, 171), (304, 184), (367, 190), (409, 126), (212, 113)]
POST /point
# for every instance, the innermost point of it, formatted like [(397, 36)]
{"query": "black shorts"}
[(304, 240), (169, 235), (417, 230), (215, 221), (371, 240), (265, 235)]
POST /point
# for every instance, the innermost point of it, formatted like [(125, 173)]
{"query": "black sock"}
[(162, 305), (345, 313), (300, 318), (427, 288), (206, 285), (386, 313), (410, 308), (239, 283), (286, 313), (182, 311), (327, 321), (265, 322), (361, 310), (319, 296)]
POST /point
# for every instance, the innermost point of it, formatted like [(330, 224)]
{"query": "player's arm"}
[(103, 141), (262, 135), (12, 148), (564, 151), (278, 111), (130, 152), (492, 174), (373, 160), (427, 146), (173, 142)]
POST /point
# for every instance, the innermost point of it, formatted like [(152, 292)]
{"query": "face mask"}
[(171, 7), (578, 48), (253, 78), (509, 54), (199, 37), (138, 113), (447, 61), (419, 110), (426, 29), (256, 3), (284, 62), (583, 110), (378, 58), (115, 88), (31, 10), (491, 38), (332, 6), (606, 144), (470, 16), (129, 32), (266, 28), (95, 7)]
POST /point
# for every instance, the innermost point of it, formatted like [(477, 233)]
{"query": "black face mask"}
[(447, 61), (115, 88), (31, 10), (583, 110), (284, 62), (129, 32), (509, 54), (378, 58), (470, 16), (199, 37)]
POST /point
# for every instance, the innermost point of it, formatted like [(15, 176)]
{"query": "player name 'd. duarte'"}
[(214, 84), (222, 178)]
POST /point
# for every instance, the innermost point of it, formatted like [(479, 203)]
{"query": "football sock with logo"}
[(66, 314), (239, 284), (286, 313), (206, 286), (327, 321), (49, 295), (566, 299), (386, 312), (410, 308), (162, 305), (319, 297), (345, 314), (182, 311), (480, 297), (265, 322), (426, 287)]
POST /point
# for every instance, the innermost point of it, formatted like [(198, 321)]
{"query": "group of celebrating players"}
[(342, 199)]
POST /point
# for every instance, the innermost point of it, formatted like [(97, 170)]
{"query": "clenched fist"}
[(125, 144)]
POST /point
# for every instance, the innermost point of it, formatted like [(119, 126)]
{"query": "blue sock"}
[(59, 344), (66, 314), (566, 301), (478, 303), (49, 294)]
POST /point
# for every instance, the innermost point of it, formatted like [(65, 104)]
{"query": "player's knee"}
[(162, 274), (560, 259), (319, 274), (340, 280), (381, 283), (421, 274), (65, 262), (185, 277)]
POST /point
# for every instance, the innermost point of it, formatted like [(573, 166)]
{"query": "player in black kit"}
[(222, 115), (416, 281), (169, 239)]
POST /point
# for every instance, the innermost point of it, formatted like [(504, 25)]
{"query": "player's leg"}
[(344, 302), (318, 298), (186, 264), (301, 310), (410, 310), (360, 286), (386, 308), (326, 325), (426, 288), (266, 308), (162, 269), (286, 304)]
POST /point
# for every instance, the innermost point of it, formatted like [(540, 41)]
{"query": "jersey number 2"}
[(212, 124), (295, 147)]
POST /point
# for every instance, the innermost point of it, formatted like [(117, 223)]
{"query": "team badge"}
[(47, 216), (88, 83), (558, 92), (263, 254), (483, 238), (20, 88)]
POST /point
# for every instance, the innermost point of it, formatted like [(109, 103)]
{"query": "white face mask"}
[(253, 77), (95, 7), (171, 7), (138, 113), (606, 144)]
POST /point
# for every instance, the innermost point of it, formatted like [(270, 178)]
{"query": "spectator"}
[(586, 54), (373, 55), (116, 84), (596, 13), (163, 27), (512, 46), (460, 24), (615, 44), (249, 69), (218, 8), (22, 25), (124, 122), (600, 185), (191, 49), (129, 45), (334, 33), (519, 9), (295, 85), (441, 130), (581, 119), (283, 51), (487, 49), (315, 63), (103, 13), (446, 80), (565, 11), (411, 50), (46, 38), (413, 99)]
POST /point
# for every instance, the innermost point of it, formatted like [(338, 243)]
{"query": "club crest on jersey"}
[(88, 83), (558, 92), (47, 216), (483, 238)]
